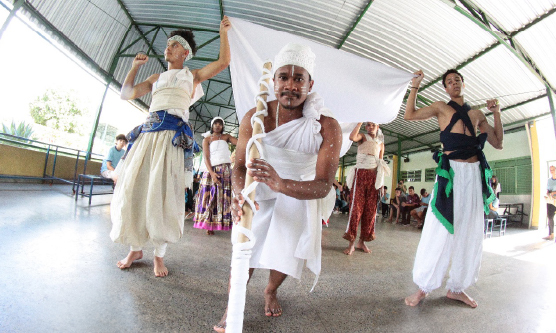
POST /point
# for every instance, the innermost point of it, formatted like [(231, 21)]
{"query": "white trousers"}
[(159, 250), (464, 248)]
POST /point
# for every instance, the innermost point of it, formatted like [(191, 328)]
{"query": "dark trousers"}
[(550, 210), (405, 212), (384, 209)]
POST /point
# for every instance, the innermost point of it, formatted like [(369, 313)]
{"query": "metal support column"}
[(14, 10), (399, 171), (551, 103), (97, 118)]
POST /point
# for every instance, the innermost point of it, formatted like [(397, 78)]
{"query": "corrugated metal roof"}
[(406, 34), (514, 14), (540, 43)]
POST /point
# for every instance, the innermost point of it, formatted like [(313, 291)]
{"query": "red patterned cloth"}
[(363, 205)]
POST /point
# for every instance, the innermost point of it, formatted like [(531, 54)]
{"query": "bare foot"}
[(159, 269), (349, 250), (221, 326), (550, 237), (462, 297), (131, 257), (210, 232), (361, 246), (416, 298), (271, 306)]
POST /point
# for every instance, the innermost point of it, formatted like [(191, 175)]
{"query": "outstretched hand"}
[(236, 210), (263, 172)]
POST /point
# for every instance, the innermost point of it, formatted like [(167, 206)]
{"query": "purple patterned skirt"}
[(213, 202)]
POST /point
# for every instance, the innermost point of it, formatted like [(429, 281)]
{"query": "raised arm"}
[(411, 111), (210, 70), (496, 134), (355, 136), (129, 89)]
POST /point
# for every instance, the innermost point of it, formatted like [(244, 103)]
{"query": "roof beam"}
[(463, 64), (160, 56), (151, 46), (136, 40), (217, 94), (140, 32), (402, 137), (532, 23), (355, 24), (479, 15), (231, 107), (208, 42), (518, 51), (174, 26)]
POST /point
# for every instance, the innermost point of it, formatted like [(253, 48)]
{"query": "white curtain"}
[(354, 88)]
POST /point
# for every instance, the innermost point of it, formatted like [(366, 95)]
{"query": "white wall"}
[(419, 161)]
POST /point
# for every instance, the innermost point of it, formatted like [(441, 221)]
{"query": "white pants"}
[(108, 174), (159, 250), (464, 248)]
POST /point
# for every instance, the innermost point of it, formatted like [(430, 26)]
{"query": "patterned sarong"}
[(213, 202)]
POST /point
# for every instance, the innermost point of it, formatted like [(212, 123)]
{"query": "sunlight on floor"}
[(524, 245)]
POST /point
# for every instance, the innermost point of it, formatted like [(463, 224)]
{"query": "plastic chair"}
[(488, 227)]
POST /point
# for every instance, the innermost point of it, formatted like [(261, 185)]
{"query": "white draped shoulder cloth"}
[(288, 230)]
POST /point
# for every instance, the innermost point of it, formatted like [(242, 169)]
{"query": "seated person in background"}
[(419, 212), (412, 201), (403, 188), (493, 209), (112, 159), (397, 202), (384, 199), (345, 198), (338, 204)]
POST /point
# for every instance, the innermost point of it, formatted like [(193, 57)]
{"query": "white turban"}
[(297, 55)]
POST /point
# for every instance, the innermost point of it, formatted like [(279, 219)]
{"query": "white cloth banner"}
[(354, 88)]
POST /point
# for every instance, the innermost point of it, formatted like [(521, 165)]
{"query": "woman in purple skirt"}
[(213, 199)]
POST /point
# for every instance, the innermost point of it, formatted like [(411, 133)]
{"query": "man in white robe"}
[(302, 149)]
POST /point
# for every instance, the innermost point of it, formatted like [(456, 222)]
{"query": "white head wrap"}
[(216, 118), (185, 45), (297, 55), (207, 133)]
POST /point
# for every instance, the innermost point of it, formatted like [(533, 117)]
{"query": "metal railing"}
[(48, 149)]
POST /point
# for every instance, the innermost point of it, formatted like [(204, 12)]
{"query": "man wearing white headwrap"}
[(214, 197), (364, 185), (148, 206), (302, 148)]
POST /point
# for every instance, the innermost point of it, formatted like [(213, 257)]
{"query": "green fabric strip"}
[(449, 175)]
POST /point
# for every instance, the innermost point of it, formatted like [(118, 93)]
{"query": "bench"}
[(91, 181)]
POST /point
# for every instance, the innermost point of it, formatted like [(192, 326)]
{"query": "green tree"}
[(59, 110)]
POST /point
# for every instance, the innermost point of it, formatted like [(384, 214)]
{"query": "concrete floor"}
[(58, 274)]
